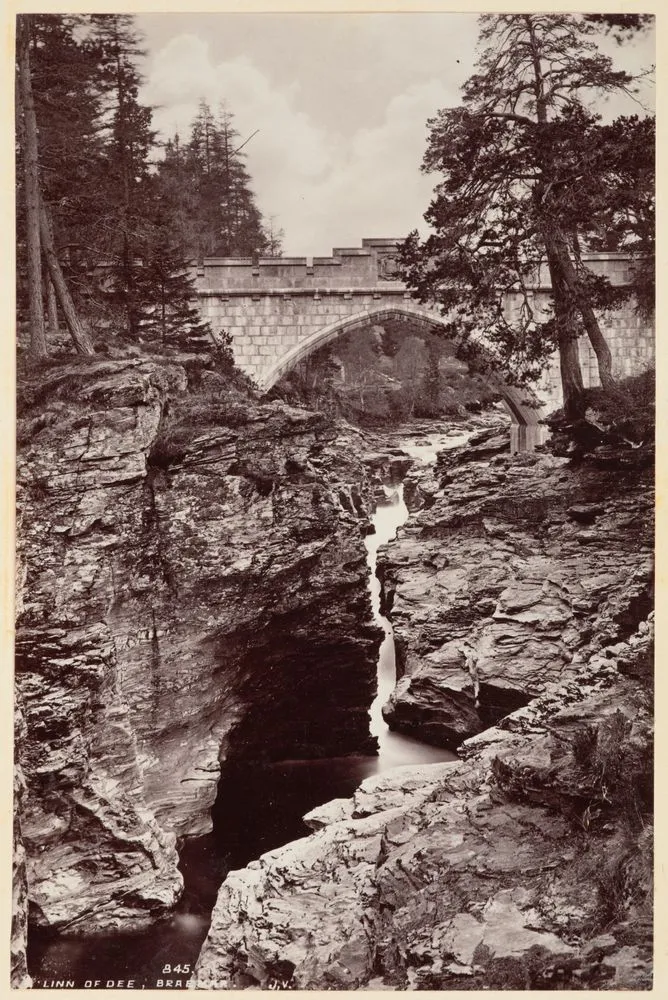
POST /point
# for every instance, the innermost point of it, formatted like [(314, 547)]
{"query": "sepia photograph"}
[(334, 599)]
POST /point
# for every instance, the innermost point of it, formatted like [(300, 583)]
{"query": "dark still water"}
[(257, 810)]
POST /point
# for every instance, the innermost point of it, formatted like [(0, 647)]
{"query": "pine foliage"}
[(208, 180)]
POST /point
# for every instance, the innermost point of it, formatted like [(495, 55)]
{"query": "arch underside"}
[(522, 404)]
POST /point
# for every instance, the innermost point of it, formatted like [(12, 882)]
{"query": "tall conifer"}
[(129, 140)]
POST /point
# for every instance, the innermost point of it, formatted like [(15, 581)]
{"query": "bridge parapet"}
[(372, 265), (367, 266)]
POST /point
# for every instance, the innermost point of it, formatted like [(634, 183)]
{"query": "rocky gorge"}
[(195, 602), (520, 594)]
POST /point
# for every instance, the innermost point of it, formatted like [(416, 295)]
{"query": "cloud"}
[(324, 188), (377, 188)]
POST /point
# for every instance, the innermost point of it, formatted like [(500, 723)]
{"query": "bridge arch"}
[(521, 403)]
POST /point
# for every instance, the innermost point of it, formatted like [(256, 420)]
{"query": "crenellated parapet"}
[(348, 268), (372, 265)]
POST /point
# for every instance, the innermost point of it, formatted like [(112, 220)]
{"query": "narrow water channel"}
[(255, 813), (394, 749)]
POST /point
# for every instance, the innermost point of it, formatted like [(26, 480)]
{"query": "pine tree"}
[(35, 148), (104, 225), (176, 186), (201, 160), (213, 190), (241, 223), (274, 236), (625, 220), (129, 141), (65, 111), (529, 173), (167, 289), (38, 347), (67, 106)]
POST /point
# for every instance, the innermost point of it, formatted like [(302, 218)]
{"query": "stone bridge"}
[(278, 310)]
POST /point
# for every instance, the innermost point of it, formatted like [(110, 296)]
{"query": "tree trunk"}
[(567, 334), (51, 308), (562, 271), (38, 345), (600, 346), (128, 282), (571, 377), (596, 338), (79, 334)]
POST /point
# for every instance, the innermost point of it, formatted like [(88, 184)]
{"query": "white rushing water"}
[(394, 749)]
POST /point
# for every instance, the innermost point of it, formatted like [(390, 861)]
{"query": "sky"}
[(340, 102)]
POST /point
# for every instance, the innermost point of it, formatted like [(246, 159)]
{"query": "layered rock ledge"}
[(511, 571)]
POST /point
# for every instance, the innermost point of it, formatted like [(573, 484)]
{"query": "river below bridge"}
[(262, 811)]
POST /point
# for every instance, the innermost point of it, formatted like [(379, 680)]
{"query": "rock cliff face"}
[(526, 865), (180, 545), (19, 970), (511, 572)]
